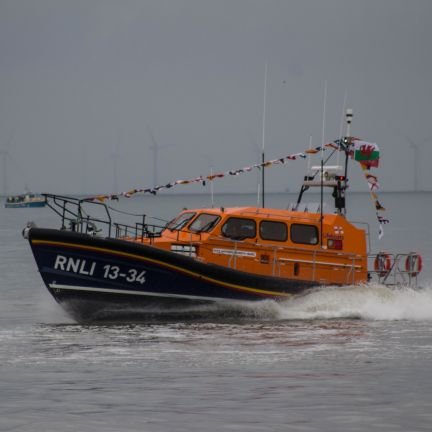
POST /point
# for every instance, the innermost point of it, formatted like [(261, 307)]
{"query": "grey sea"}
[(351, 358)]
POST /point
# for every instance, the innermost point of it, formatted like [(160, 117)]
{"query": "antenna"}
[(211, 187), (349, 116), (322, 159), (263, 134), (309, 156), (341, 125), (257, 151), (323, 120), (258, 195)]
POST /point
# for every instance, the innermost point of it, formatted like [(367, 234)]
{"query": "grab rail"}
[(74, 217)]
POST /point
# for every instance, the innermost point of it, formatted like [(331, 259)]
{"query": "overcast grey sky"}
[(82, 81)]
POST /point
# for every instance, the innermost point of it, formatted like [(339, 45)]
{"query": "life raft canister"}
[(413, 264), (383, 264)]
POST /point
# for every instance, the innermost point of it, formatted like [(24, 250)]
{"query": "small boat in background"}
[(25, 200)]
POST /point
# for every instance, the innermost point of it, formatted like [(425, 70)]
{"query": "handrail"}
[(74, 217)]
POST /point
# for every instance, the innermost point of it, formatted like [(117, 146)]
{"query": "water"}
[(341, 359)]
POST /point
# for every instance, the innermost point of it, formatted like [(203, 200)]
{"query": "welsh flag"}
[(365, 152)]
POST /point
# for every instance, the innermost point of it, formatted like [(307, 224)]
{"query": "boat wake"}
[(366, 302)]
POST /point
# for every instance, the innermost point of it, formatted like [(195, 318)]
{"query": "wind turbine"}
[(416, 146), (155, 148), (115, 156), (5, 155), (83, 168)]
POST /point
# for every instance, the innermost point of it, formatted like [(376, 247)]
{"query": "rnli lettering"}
[(75, 265), (91, 268)]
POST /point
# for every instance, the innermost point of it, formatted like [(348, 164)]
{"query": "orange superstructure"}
[(271, 242)]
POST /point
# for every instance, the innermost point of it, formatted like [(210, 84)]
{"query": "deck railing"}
[(394, 269), (75, 216)]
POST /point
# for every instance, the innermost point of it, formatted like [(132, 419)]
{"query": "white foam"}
[(373, 302), (369, 302)]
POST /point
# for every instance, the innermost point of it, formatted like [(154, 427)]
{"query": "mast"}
[(331, 176), (348, 118), (339, 191)]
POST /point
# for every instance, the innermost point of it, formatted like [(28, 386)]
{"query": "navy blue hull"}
[(93, 277)]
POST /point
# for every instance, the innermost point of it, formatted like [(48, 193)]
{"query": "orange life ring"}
[(382, 264), (413, 264)]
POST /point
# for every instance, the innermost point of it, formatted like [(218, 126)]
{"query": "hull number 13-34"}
[(132, 275)]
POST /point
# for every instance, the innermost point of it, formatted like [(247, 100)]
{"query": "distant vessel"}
[(25, 200)]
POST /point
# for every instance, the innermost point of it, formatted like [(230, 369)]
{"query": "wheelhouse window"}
[(272, 230), (180, 221), (304, 234), (239, 228), (205, 222)]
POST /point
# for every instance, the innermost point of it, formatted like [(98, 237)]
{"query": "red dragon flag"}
[(365, 152)]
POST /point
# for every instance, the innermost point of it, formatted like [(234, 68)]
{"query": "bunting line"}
[(367, 154), (199, 179)]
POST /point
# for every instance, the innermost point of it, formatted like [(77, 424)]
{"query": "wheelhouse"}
[(278, 242)]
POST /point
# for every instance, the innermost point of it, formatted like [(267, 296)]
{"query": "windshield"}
[(180, 221), (204, 222)]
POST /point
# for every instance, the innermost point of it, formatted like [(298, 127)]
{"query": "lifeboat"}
[(96, 268)]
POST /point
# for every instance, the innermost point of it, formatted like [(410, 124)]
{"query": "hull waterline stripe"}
[(163, 264), (140, 293)]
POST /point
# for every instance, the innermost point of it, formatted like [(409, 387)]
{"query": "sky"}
[(88, 88)]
